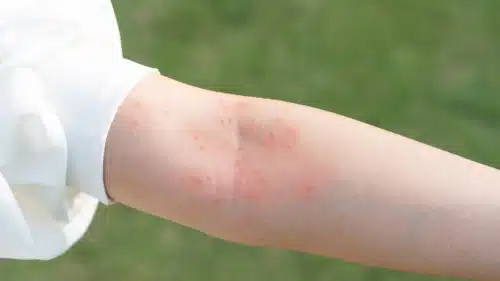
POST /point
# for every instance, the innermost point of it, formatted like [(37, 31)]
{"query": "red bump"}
[(137, 104), (262, 181), (134, 124), (194, 182), (252, 194), (308, 190)]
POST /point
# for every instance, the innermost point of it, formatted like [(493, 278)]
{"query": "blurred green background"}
[(426, 69)]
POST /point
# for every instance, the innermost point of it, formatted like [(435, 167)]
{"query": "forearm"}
[(275, 174), (352, 191), (392, 202)]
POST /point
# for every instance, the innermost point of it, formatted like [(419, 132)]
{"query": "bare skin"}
[(275, 174)]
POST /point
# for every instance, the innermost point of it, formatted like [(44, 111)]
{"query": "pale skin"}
[(274, 174)]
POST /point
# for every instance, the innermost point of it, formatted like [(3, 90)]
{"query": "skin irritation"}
[(221, 165), (269, 162), (134, 123)]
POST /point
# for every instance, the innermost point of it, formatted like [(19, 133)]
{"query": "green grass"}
[(425, 69)]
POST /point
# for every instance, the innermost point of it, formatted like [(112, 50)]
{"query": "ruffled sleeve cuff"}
[(92, 117)]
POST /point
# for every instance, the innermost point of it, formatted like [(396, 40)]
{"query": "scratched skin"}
[(268, 163), (267, 160), (267, 169)]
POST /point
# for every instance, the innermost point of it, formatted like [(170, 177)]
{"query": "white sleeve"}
[(62, 79)]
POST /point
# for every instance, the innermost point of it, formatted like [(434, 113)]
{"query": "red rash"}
[(133, 123), (269, 162), (271, 165), (195, 182)]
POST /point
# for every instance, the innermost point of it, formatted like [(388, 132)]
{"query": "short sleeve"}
[(62, 80)]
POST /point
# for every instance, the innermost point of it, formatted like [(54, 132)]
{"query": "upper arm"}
[(171, 149)]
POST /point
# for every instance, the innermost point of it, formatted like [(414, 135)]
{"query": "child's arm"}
[(275, 174)]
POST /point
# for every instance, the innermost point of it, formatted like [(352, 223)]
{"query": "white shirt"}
[(62, 79)]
